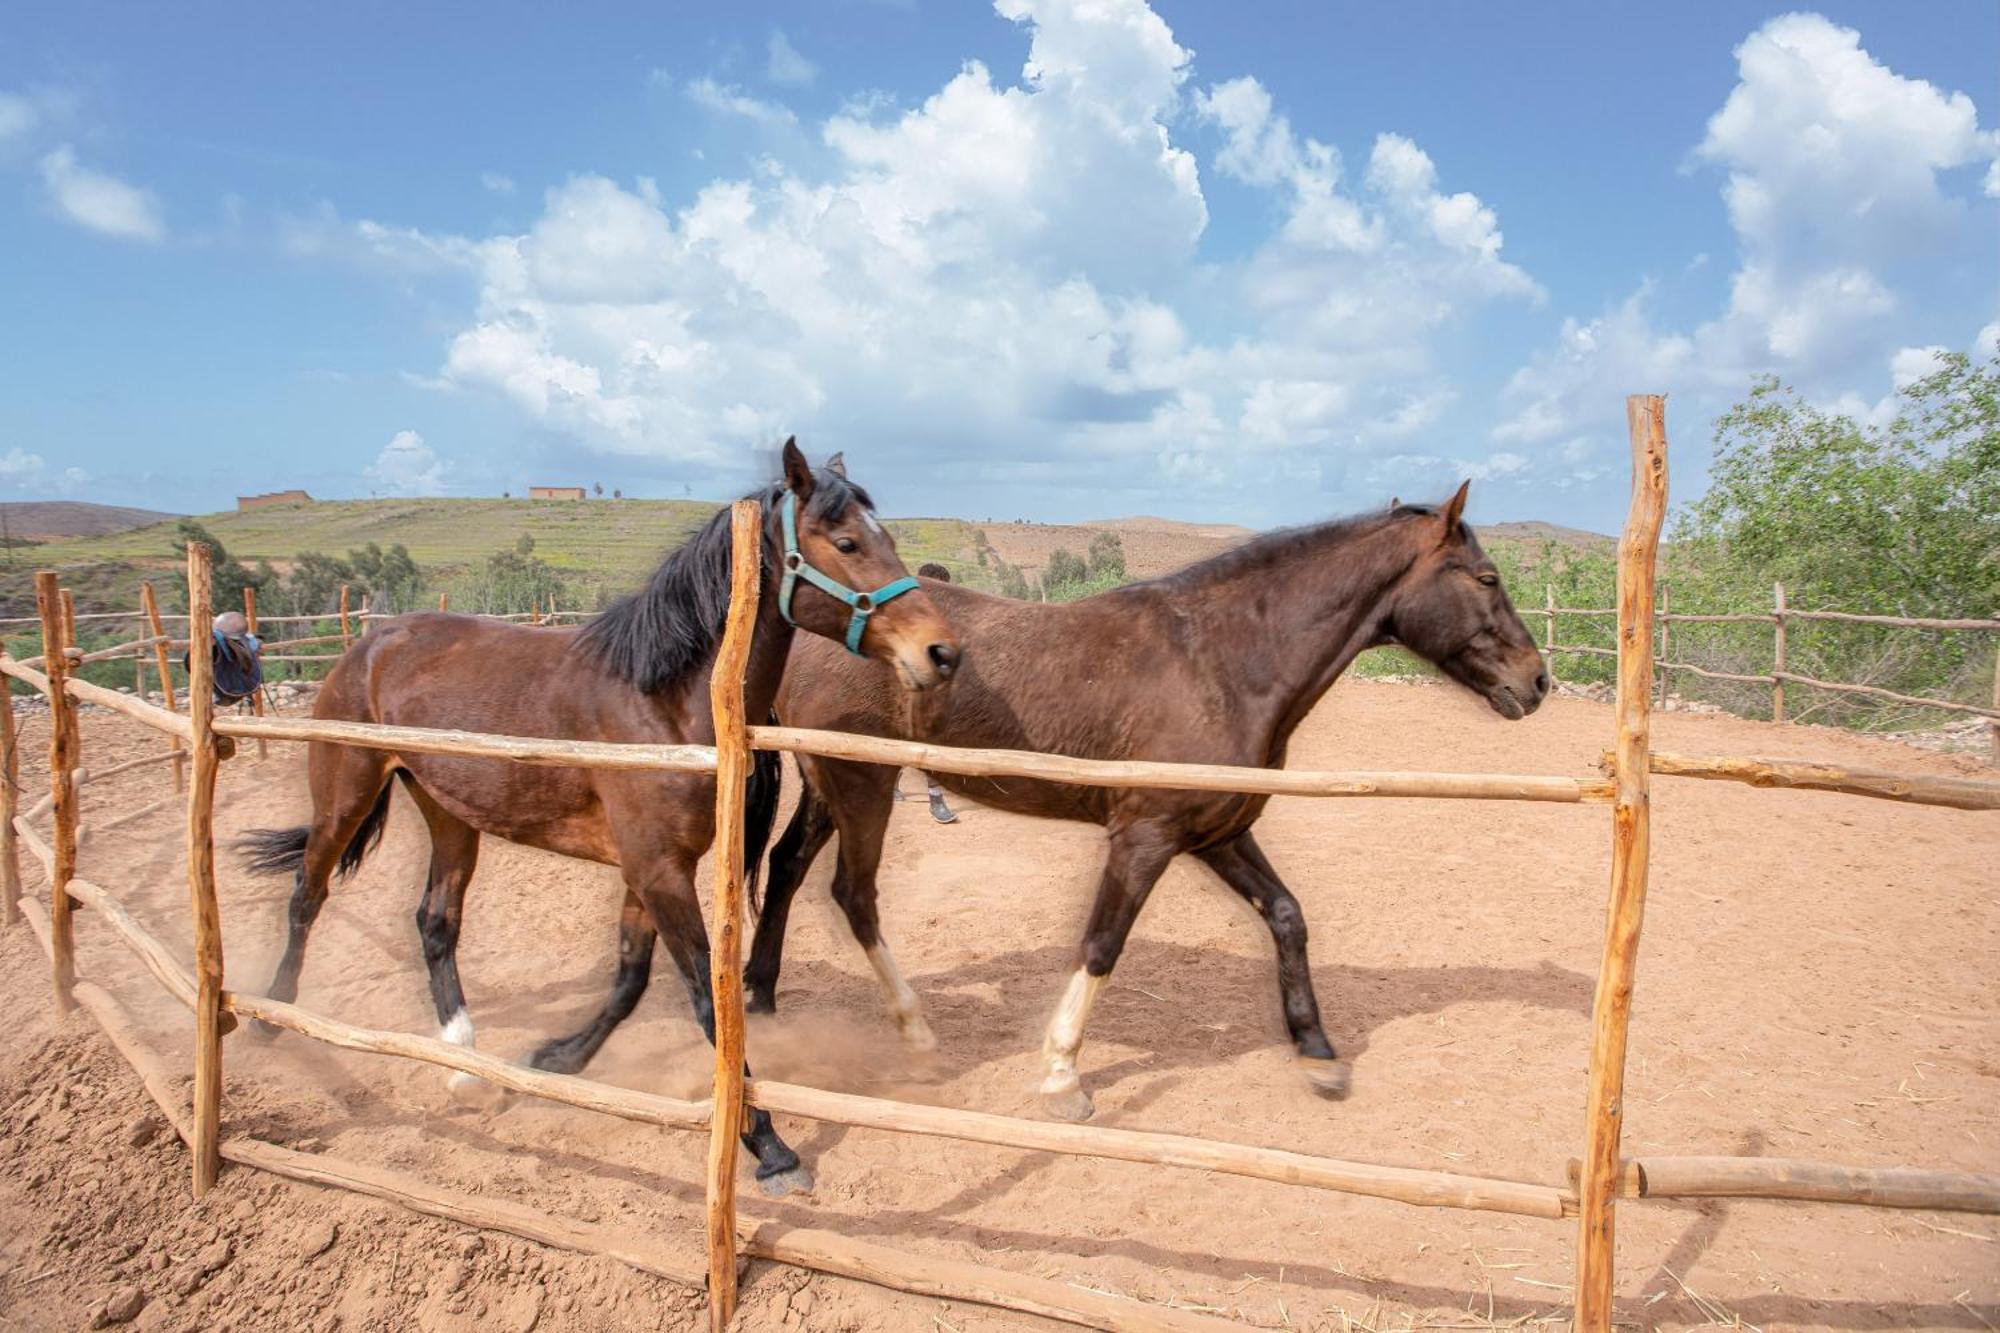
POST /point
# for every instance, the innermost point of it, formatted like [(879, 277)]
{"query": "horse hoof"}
[(473, 1092), (796, 1180), (1331, 1078), (756, 1002), (1071, 1103), (917, 1034)]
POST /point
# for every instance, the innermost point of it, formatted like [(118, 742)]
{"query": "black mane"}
[(656, 637)]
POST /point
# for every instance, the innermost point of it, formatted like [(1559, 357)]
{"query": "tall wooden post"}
[(346, 634), (164, 662), (1778, 652), (62, 760), (725, 958), (444, 601), (75, 727), (10, 804), (201, 883), (1630, 842), (1549, 629), (256, 695), (69, 617), (1665, 641)]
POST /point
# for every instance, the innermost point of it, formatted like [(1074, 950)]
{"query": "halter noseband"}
[(865, 604)]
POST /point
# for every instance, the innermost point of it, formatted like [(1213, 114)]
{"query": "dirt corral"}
[(1816, 981)]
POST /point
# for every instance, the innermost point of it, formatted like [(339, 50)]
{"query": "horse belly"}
[(554, 809)]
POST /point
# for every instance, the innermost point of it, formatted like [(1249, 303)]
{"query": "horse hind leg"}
[(350, 805), (454, 858), (568, 1055)]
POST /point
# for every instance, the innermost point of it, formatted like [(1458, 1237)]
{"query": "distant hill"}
[(41, 520), (1534, 530)]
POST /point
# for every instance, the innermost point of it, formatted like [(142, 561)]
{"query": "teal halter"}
[(865, 604)]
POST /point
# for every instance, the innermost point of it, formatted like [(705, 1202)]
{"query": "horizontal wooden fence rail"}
[(537, 750), (1807, 1181), (1802, 775), (1433, 1189), (1184, 777)]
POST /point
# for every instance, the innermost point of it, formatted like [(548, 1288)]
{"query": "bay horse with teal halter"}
[(638, 673), (1216, 664)]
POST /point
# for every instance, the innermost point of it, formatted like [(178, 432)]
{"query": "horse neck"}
[(770, 646), (1304, 607)]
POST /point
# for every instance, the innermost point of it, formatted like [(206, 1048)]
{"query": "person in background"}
[(941, 812)]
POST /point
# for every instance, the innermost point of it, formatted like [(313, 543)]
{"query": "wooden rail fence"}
[(1599, 1178)]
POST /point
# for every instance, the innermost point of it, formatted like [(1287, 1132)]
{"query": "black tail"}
[(273, 851), (760, 813)]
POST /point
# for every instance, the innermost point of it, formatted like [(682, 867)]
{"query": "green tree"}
[(1064, 568), (1107, 558), (1902, 518), (227, 575)]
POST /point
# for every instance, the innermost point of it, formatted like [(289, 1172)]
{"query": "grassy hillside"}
[(606, 545), (43, 519)]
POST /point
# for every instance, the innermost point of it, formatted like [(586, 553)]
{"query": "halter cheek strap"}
[(864, 604)]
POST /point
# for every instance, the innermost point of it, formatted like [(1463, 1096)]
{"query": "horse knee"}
[(1287, 919)]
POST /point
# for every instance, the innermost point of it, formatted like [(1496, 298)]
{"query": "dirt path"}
[(1818, 980)]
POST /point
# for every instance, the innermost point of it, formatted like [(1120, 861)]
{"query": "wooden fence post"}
[(346, 635), (444, 601), (1630, 842), (1549, 628), (69, 617), (1778, 652), (1665, 604), (201, 884), (256, 695), (62, 761), (725, 961), (10, 804), (166, 669)]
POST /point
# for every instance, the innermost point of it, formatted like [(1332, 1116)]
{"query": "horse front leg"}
[(863, 797), (810, 828), (1242, 865), (1138, 855), (669, 896)]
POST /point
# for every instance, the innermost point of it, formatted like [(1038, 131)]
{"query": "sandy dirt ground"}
[(1818, 980)]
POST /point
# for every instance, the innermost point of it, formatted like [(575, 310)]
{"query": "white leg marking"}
[(904, 1006), (1065, 1037), (459, 1033)]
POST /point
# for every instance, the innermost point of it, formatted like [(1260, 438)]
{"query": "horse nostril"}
[(1541, 684), (944, 657)]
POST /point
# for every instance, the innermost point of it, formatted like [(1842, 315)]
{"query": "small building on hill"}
[(267, 500), (555, 492)]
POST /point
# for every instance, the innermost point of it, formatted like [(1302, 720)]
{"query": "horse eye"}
[(1490, 580), (846, 545)]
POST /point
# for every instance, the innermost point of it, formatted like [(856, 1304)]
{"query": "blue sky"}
[(1046, 258)]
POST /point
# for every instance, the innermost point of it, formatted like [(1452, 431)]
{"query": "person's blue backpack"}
[(238, 665)]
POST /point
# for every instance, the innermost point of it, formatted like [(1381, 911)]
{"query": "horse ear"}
[(1454, 509), (837, 465), (798, 472)]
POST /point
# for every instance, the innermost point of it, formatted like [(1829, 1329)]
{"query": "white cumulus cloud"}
[(408, 466), (100, 201), (1838, 177), (997, 282)]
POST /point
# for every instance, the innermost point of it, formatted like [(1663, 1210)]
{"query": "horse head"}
[(1450, 609), (841, 578)]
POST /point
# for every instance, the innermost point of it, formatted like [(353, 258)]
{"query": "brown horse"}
[(1216, 664), (639, 672)]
